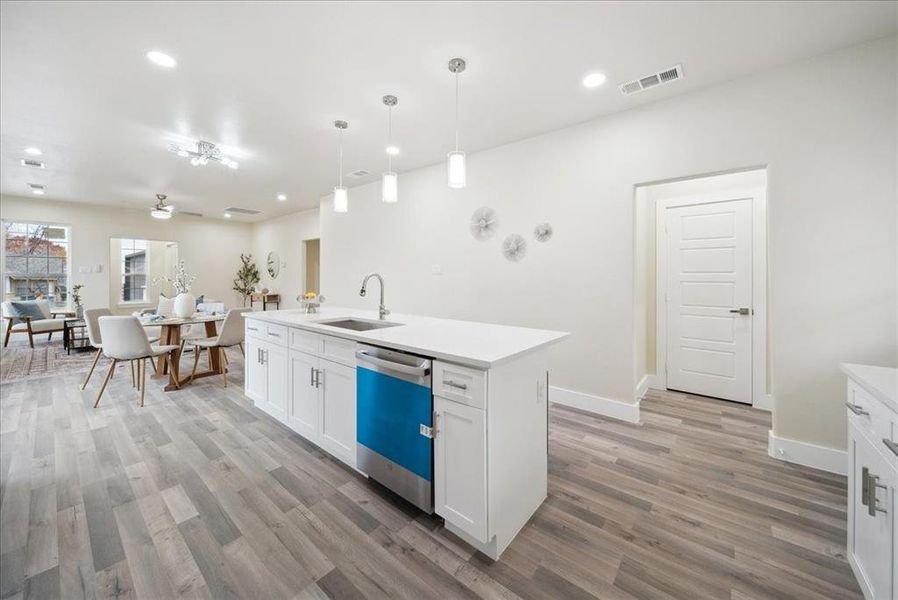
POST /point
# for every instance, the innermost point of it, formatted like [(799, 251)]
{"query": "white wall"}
[(210, 248), (285, 235), (824, 128)]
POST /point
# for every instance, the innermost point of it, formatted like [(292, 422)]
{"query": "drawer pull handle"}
[(274, 334), (450, 383), (891, 445), (856, 409), (252, 328)]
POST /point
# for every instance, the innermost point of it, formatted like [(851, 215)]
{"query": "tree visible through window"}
[(36, 263), (134, 270)]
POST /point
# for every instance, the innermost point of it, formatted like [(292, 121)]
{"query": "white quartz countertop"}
[(479, 345), (880, 382)]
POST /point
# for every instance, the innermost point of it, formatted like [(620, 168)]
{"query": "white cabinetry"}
[(872, 484), (302, 386), (459, 457), (266, 376), (490, 453)]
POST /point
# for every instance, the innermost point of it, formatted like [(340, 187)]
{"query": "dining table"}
[(170, 335)]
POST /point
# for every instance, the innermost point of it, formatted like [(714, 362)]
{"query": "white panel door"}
[(459, 464), (337, 392), (256, 385), (278, 381), (304, 413), (709, 278)]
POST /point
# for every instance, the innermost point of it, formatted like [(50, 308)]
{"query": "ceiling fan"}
[(161, 210)]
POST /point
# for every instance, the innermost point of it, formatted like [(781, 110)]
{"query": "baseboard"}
[(764, 402), (809, 455), (654, 382), (595, 404), (642, 387)]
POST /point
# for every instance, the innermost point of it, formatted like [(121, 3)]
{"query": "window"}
[(37, 262), (134, 270)]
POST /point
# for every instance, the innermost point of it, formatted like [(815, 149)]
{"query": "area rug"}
[(48, 359)]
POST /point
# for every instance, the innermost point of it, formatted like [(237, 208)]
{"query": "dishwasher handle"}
[(420, 371)]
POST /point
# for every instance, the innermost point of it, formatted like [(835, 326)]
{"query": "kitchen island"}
[(489, 393)]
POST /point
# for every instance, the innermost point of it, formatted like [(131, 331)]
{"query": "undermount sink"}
[(358, 324)]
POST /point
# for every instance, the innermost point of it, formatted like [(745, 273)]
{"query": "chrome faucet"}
[(382, 310)]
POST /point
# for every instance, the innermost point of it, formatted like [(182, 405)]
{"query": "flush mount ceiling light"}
[(205, 151), (457, 176), (161, 210), (162, 59), (594, 80), (390, 183), (33, 151), (282, 197), (341, 195)]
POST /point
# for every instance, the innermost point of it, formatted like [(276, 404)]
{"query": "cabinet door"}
[(303, 410), (256, 384), (337, 393), (872, 535), (460, 466), (275, 358)]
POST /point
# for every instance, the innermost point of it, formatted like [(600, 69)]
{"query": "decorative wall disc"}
[(542, 232), (484, 223), (514, 247)]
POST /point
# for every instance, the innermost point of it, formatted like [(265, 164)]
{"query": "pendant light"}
[(457, 177), (390, 182), (341, 196)]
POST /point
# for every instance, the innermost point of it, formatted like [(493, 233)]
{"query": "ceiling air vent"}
[(242, 211), (652, 80), (36, 186), (30, 162), (359, 173)]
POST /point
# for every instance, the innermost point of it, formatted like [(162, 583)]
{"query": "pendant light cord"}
[(390, 137), (456, 111), (340, 174)]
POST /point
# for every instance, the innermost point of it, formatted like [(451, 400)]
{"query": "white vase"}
[(185, 305)]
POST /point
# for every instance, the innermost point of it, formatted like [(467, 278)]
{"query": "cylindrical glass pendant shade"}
[(457, 177), (341, 199), (390, 187)]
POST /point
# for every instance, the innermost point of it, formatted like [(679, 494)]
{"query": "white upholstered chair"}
[(231, 334), (92, 324), (123, 338)]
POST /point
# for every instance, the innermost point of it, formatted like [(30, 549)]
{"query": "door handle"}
[(872, 504), (858, 410), (317, 378), (312, 376), (741, 311), (891, 445)]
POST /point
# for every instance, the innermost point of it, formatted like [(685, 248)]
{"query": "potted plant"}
[(185, 302), (247, 277), (76, 298)]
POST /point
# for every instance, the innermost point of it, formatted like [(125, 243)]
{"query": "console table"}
[(265, 299)]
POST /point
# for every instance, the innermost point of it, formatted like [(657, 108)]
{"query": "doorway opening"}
[(700, 287), (311, 250)]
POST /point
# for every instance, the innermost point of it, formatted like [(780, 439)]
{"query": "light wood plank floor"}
[(199, 495)]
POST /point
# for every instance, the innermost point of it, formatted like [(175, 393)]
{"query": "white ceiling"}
[(267, 80)]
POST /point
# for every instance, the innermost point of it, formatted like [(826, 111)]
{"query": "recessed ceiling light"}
[(33, 151), (282, 197), (392, 150), (162, 59), (227, 215), (594, 80)]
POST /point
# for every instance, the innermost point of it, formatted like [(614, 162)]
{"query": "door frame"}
[(758, 197)]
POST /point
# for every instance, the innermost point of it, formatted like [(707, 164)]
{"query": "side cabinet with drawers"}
[(306, 381), (872, 485)]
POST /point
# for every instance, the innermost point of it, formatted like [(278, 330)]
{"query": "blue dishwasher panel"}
[(390, 412)]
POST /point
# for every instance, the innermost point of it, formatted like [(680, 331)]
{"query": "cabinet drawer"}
[(338, 350), (305, 341), (254, 329), (879, 423), (461, 384), (276, 334)]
